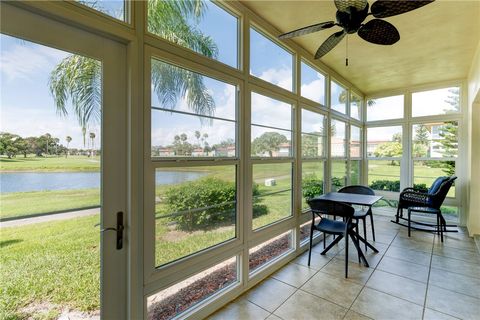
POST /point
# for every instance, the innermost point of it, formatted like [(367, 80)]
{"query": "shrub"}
[(385, 185), (311, 187), (389, 185), (213, 196)]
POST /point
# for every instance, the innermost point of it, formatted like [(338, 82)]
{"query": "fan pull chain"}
[(346, 52)]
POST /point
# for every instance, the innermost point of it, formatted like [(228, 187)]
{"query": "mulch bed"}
[(208, 285)]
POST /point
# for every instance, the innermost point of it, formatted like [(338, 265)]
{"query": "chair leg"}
[(365, 231), (373, 227), (324, 240), (310, 249), (409, 215), (346, 256), (359, 251), (334, 242)]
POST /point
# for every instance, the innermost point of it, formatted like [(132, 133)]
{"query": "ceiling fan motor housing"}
[(351, 19)]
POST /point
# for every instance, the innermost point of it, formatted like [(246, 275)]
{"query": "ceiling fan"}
[(350, 16)]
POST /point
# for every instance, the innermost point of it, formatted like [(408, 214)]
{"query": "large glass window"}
[(433, 102), (268, 251), (198, 122), (271, 193), (313, 155), (271, 127), (269, 61), (434, 151), (196, 27), (355, 106), (313, 84), (195, 208), (384, 150), (338, 139), (385, 108), (184, 295), (338, 97), (355, 154)]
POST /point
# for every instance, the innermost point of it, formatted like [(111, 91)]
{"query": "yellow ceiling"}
[(437, 42)]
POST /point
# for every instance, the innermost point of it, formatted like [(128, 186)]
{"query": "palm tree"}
[(79, 78), (69, 139), (92, 137)]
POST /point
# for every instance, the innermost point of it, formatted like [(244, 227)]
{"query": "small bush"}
[(205, 193), (389, 185), (311, 187)]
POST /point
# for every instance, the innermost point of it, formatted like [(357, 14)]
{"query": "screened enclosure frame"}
[(144, 278)]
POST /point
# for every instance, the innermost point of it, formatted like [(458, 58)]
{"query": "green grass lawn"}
[(16, 204), (50, 164), (54, 262)]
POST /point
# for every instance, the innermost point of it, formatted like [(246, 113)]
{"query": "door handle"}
[(119, 229)]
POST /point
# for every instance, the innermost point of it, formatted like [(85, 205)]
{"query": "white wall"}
[(473, 195)]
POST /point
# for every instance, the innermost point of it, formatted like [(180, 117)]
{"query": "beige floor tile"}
[(430, 314), (372, 258), (352, 315), (455, 282), (294, 274), (332, 288), (273, 317), (383, 237), (457, 266), (379, 305), (270, 294), (398, 286), (404, 268), (449, 252), (303, 305), (405, 254), (356, 272), (413, 244), (453, 241), (317, 262), (240, 309), (417, 235), (452, 303)]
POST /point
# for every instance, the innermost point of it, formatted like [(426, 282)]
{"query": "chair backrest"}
[(436, 200), (323, 207), (436, 184), (357, 190)]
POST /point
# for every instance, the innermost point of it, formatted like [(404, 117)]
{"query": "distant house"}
[(283, 150), (224, 151), (165, 152), (198, 152)]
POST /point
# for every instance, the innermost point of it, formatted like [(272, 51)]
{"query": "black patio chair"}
[(433, 198), (342, 229), (361, 214)]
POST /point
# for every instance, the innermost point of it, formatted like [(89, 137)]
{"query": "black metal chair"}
[(362, 214), (429, 202), (433, 198), (342, 229)]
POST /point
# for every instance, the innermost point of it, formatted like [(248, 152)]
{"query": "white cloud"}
[(271, 112), (21, 61), (280, 77), (314, 90)]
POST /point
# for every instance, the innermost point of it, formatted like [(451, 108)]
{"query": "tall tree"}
[(68, 139), (421, 141), (92, 138), (78, 78), (449, 142), (268, 142)]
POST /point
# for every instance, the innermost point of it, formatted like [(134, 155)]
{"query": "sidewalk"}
[(50, 217)]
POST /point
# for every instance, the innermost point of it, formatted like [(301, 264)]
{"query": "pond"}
[(38, 181)]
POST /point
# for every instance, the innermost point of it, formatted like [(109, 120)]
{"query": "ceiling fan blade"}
[(329, 44), (342, 5), (307, 30), (379, 32), (388, 8)]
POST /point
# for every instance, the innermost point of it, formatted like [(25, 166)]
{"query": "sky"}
[(27, 107)]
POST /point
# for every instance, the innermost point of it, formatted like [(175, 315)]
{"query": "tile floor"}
[(410, 278)]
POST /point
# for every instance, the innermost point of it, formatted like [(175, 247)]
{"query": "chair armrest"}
[(414, 196)]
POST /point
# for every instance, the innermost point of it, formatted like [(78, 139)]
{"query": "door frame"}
[(37, 28)]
